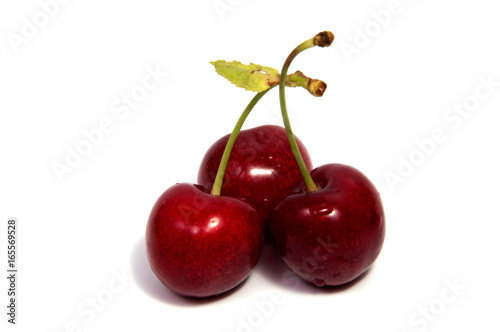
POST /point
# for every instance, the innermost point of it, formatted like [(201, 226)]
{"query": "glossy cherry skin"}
[(332, 235), (261, 168), (201, 245)]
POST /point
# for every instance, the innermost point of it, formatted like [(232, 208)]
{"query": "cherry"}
[(331, 235), (262, 168), (331, 227), (199, 244)]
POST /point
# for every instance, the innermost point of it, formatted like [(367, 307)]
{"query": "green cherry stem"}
[(315, 87), (322, 39), (216, 188)]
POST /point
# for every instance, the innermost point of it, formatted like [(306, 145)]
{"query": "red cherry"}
[(200, 244), (261, 169), (332, 235)]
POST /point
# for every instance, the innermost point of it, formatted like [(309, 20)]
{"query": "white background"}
[(78, 234)]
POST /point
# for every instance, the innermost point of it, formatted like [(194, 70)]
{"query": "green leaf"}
[(251, 77)]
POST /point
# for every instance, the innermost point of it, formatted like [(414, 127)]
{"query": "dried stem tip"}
[(316, 87), (324, 39)]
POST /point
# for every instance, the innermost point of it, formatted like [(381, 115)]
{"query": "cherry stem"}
[(216, 188), (315, 87), (322, 39)]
